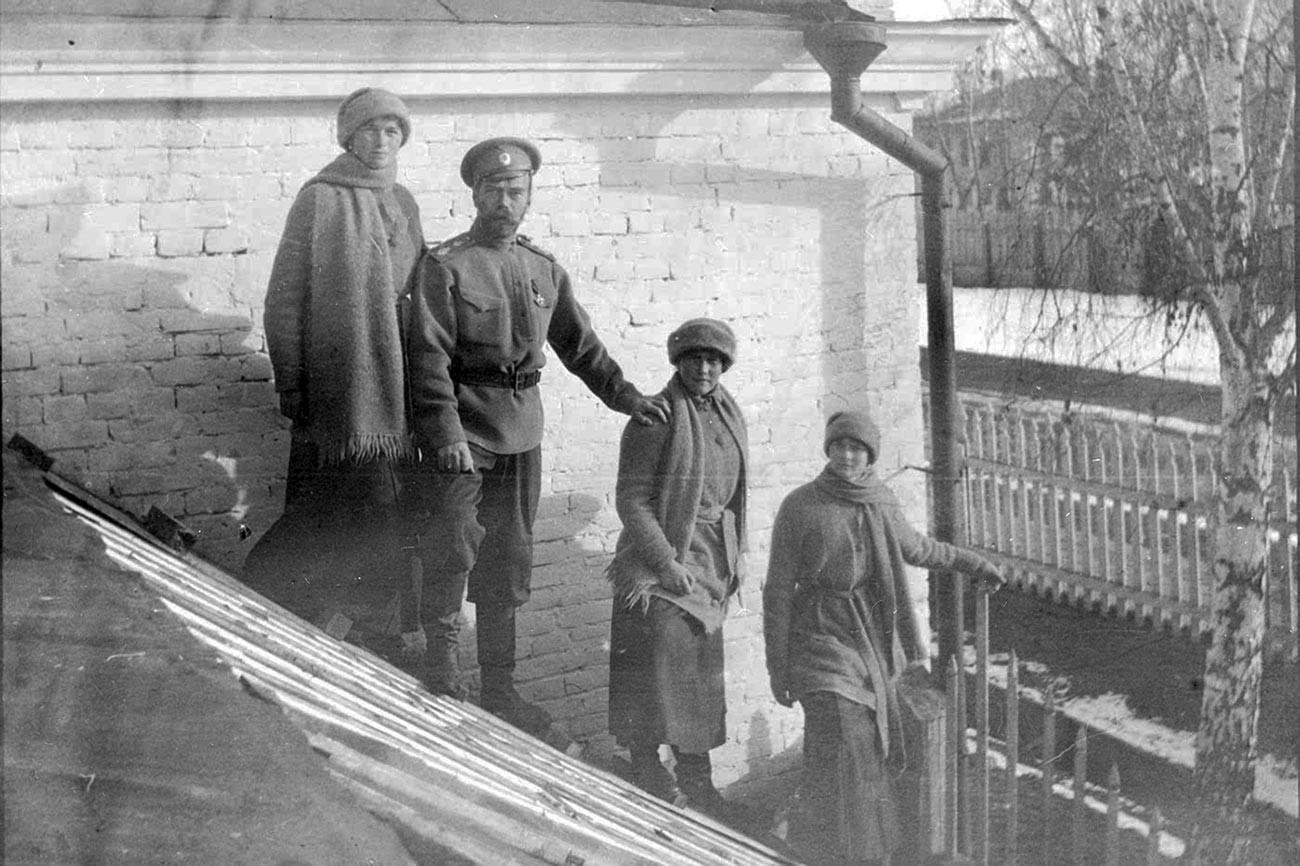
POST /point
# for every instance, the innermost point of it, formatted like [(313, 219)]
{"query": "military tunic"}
[(487, 307), (482, 314)]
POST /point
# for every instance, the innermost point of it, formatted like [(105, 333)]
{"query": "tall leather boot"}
[(496, 659), (438, 596), (651, 776), (695, 777), (442, 668)]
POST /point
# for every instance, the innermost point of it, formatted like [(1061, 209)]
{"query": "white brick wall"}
[(136, 245)]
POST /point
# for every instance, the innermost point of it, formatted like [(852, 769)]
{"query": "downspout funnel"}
[(845, 49)]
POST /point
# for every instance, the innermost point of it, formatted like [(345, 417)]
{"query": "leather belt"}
[(512, 379)]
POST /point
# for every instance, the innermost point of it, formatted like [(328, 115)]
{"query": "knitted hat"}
[(499, 156), (365, 105), (853, 425), (703, 334)]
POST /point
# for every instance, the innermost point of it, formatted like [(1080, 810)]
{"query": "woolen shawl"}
[(857, 631), (883, 605), (338, 338), (899, 622), (660, 479)]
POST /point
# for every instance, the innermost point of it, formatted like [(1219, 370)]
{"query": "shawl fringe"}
[(635, 592), (675, 473), (366, 447)]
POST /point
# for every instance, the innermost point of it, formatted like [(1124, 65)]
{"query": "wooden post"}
[(1013, 761), (1153, 838), (951, 776), (1112, 817), (1078, 808), (980, 818), (1048, 761)]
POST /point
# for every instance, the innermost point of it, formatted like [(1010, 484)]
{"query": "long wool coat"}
[(667, 677), (837, 613), (660, 480), (333, 328)]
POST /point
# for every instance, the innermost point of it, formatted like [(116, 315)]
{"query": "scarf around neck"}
[(883, 596), (678, 472), (347, 170), (869, 490), (356, 385)]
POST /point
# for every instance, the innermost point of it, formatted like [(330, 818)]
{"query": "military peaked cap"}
[(499, 156)]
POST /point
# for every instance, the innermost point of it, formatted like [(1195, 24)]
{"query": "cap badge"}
[(503, 157)]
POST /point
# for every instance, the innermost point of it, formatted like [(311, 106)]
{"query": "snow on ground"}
[(1095, 798), (1114, 333), (1109, 714)]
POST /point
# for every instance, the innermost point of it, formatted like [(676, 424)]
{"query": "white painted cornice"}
[(86, 59)]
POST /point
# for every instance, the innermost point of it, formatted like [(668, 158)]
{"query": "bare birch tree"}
[(1198, 100)]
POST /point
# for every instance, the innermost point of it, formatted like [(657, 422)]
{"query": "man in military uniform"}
[(484, 306)]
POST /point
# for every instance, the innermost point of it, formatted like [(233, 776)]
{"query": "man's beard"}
[(500, 225)]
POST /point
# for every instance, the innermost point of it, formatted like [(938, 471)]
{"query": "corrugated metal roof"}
[(446, 775)]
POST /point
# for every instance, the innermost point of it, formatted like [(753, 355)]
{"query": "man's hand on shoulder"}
[(648, 410)]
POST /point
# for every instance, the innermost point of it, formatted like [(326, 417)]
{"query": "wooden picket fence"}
[(978, 831), (1114, 516)]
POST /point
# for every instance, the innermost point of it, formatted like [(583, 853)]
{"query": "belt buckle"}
[(516, 378)]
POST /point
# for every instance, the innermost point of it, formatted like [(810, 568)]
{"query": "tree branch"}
[(1276, 324), (1071, 69), (1207, 12), (1265, 213), (1223, 335), (1163, 188), (1284, 381)]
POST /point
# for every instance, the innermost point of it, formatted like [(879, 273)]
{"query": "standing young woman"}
[(840, 628), (334, 333), (681, 497)]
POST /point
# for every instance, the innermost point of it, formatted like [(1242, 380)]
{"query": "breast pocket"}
[(483, 319)]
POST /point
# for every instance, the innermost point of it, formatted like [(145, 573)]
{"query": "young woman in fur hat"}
[(350, 243), (681, 497), (840, 628)]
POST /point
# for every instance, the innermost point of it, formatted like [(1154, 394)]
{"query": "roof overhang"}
[(90, 59)]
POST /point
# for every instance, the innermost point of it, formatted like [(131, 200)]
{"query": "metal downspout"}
[(845, 50)]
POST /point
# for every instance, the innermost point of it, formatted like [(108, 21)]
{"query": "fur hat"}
[(703, 334), (853, 424), (365, 105)]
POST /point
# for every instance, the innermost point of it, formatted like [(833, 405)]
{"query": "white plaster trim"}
[(150, 59)]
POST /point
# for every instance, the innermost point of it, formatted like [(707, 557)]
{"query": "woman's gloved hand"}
[(674, 577), (991, 577)]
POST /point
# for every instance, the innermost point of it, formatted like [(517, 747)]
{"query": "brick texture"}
[(135, 255)]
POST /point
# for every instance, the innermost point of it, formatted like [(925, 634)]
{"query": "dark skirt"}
[(338, 547), (666, 679), (847, 811)]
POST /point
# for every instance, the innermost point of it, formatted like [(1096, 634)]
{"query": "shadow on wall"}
[(563, 631), (139, 373), (848, 211), (772, 776)]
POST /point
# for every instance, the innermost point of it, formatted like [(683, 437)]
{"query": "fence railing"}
[(1071, 820), (1113, 516)]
